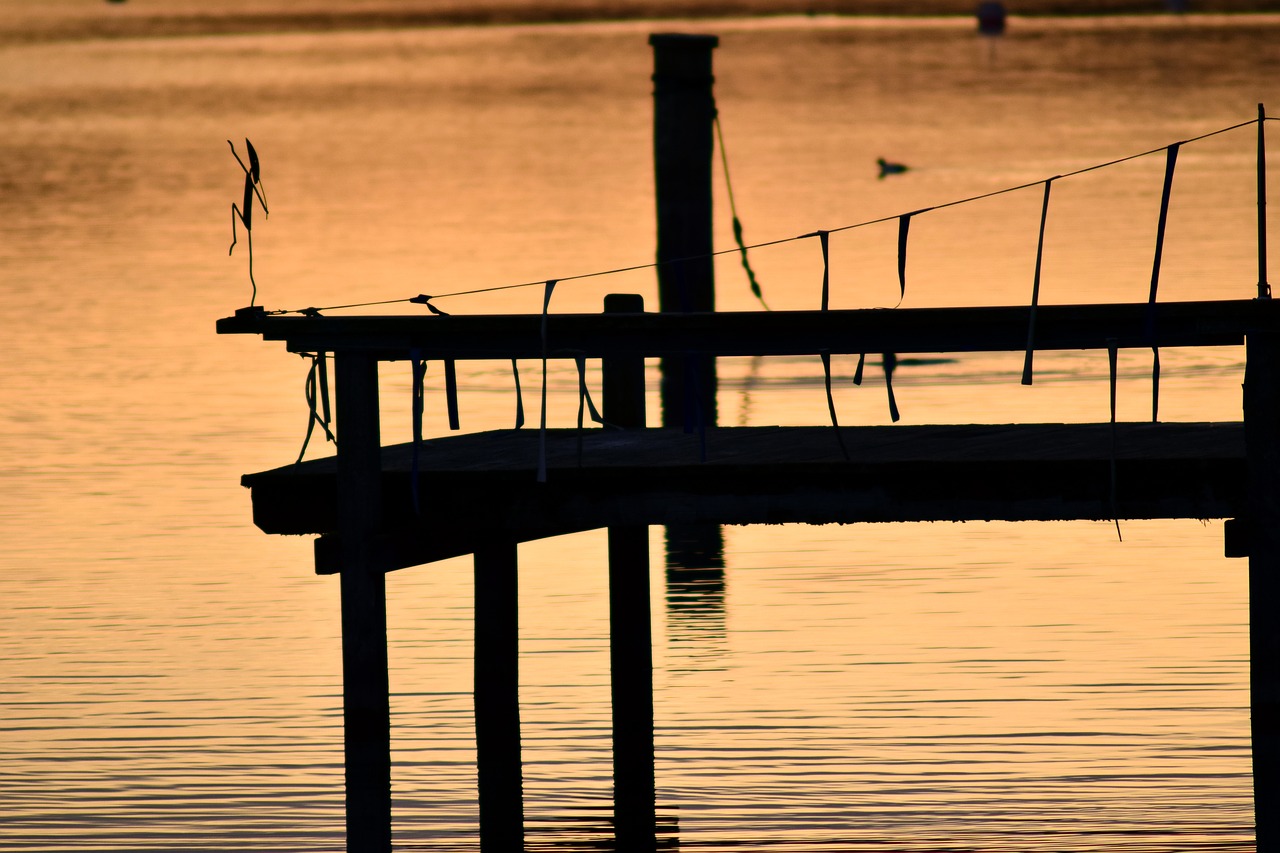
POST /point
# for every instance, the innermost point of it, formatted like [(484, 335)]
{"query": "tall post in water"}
[(366, 709), (683, 148), (497, 698), (630, 632), (1262, 443)]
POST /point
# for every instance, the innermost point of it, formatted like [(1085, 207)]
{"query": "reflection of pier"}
[(626, 479)]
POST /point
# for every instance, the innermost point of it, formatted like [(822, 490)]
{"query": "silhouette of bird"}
[(887, 168)]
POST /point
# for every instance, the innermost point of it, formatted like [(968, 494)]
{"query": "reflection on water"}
[(172, 676)]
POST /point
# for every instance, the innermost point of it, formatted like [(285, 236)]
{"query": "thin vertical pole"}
[(1262, 444), (497, 698), (365, 701), (630, 632), (1264, 288)]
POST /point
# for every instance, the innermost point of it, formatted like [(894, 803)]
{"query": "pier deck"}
[(467, 484)]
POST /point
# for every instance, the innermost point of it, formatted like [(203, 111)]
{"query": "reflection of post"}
[(683, 136), (630, 642), (366, 712), (497, 699), (1262, 438)]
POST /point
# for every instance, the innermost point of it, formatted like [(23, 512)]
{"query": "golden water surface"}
[(171, 676)]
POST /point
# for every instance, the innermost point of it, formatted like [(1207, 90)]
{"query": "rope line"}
[(901, 218), (733, 211)]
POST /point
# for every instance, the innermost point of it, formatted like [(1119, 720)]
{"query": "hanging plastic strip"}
[(418, 391), (1171, 161), (316, 391), (890, 362), (451, 391), (904, 226), (515, 372), (548, 289), (584, 398), (823, 241), (1035, 287), (831, 403)]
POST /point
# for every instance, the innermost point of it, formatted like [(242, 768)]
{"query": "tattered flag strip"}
[(824, 241), (316, 391), (424, 299), (515, 372), (419, 368), (1035, 287), (1171, 161), (857, 371), (548, 289), (1115, 510), (584, 398), (1155, 384), (904, 227), (831, 403), (451, 391), (890, 361)]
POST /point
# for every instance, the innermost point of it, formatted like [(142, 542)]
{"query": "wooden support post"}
[(683, 138), (683, 148), (630, 633), (1262, 442), (497, 699), (365, 699)]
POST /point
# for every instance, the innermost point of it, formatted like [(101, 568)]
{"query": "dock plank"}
[(472, 485)]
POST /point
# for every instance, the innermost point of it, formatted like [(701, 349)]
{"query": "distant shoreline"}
[(233, 17)]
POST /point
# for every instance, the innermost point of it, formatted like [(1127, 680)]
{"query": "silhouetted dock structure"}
[(479, 493), (377, 509)]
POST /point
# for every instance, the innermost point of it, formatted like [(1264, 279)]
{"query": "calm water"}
[(171, 676)]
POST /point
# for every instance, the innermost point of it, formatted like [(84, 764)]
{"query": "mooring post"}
[(630, 633), (683, 148), (497, 698), (1262, 443), (365, 698), (683, 140)]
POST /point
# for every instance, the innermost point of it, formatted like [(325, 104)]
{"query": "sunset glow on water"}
[(172, 676)]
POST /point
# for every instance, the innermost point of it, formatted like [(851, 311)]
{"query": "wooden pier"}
[(480, 494), (376, 509)]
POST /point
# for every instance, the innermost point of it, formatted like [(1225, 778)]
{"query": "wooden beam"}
[(365, 698), (1262, 436), (750, 333)]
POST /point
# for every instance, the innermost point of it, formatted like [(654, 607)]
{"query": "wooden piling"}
[(365, 698), (1262, 448), (497, 698), (683, 149), (683, 139), (630, 632)]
